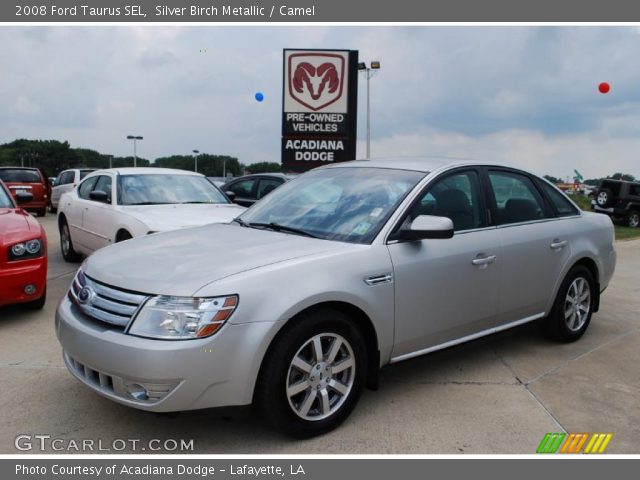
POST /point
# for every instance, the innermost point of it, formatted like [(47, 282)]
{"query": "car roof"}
[(265, 174), (20, 168), (148, 171), (424, 164)]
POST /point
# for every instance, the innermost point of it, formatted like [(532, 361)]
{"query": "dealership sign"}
[(319, 108)]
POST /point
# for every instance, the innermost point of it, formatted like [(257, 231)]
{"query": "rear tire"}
[(66, 244), (52, 209), (633, 219), (573, 307), (603, 197), (42, 212), (313, 375)]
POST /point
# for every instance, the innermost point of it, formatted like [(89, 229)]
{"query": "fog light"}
[(137, 391), (30, 289)]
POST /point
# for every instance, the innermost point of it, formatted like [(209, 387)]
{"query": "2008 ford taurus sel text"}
[(296, 304)]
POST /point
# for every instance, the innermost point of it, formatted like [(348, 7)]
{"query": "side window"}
[(560, 202), (64, 179), (634, 190), (267, 185), (517, 199), (85, 187), (242, 189), (104, 184), (458, 197)]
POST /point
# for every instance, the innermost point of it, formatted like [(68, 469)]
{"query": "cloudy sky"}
[(527, 96)]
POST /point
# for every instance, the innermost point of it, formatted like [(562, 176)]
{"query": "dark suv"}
[(618, 198)]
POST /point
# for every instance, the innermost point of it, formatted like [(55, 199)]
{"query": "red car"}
[(23, 253), (28, 180)]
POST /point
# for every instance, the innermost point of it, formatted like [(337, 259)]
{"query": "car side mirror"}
[(23, 197), (99, 196), (427, 227), (230, 195)]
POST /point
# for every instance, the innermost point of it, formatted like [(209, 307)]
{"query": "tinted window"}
[(66, 178), (560, 202), (267, 185), (104, 184), (242, 188), (634, 190), (457, 197), (517, 199), (84, 173), (85, 187), (19, 176), (5, 200)]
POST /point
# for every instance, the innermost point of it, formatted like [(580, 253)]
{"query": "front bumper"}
[(180, 374), (15, 276)]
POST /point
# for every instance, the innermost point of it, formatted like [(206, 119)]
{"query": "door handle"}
[(484, 261), (558, 244)]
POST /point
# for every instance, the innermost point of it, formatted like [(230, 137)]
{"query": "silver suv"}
[(297, 304)]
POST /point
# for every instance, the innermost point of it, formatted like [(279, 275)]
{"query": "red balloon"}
[(604, 87)]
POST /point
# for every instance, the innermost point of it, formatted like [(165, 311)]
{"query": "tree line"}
[(53, 156)]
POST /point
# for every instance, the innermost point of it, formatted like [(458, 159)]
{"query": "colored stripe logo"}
[(574, 442)]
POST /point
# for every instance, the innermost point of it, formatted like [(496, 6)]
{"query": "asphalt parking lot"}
[(500, 394)]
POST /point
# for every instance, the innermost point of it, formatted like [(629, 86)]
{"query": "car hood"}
[(162, 218), (16, 225), (183, 261)]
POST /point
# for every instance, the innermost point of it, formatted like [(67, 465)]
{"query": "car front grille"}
[(106, 304)]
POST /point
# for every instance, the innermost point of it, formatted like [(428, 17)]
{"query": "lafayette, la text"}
[(197, 470)]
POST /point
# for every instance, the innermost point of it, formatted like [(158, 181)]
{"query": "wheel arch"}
[(359, 318), (591, 265)]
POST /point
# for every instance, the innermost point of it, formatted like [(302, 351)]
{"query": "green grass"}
[(622, 232)]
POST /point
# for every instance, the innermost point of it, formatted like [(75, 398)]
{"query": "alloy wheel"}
[(577, 304), (321, 376)]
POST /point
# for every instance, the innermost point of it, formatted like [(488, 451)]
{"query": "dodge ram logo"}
[(316, 79)]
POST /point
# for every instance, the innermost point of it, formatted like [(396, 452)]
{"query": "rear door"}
[(64, 184), (75, 205), (535, 244)]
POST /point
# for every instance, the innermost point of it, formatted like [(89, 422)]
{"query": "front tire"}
[(573, 307), (66, 245), (313, 375)]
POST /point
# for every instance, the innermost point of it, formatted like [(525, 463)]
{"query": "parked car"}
[(23, 253), (297, 304), (249, 189), (618, 199), (66, 181), (113, 205), (28, 180)]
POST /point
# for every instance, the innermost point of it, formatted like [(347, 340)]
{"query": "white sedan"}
[(113, 205)]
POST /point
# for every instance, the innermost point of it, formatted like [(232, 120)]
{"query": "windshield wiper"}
[(282, 228), (241, 222)]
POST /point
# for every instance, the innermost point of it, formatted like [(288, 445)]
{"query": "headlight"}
[(26, 250), (180, 318)]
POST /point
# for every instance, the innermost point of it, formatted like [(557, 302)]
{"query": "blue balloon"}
[(259, 96)]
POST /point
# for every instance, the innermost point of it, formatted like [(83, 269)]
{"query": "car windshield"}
[(5, 201), (344, 204), (17, 175), (167, 189)]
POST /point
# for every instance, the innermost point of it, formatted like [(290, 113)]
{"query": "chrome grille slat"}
[(114, 307), (106, 304), (112, 293)]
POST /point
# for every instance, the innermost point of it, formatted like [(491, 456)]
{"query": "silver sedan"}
[(296, 304)]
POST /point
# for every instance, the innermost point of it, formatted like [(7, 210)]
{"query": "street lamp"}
[(196, 152), (369, 72), (135, 138)]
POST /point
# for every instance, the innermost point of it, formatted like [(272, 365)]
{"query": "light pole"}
[(196, 152), (369, 72), (224, 168), (135, 138)]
